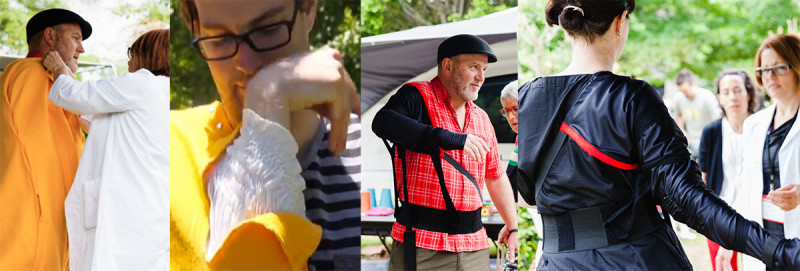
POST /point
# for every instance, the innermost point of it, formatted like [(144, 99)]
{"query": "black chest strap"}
[(413, 216)]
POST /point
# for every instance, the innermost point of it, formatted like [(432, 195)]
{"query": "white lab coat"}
[(748, 199), (118, 207)]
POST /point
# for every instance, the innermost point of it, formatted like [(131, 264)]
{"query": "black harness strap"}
[(464, 172)]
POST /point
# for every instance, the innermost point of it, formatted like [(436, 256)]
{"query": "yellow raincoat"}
[(266, 242), (40, 146)]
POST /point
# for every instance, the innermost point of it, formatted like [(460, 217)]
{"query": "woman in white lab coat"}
[(118, 207), (770, 184)]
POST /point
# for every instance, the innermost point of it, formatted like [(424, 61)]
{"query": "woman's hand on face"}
[(52, 61), (787, 197), (315, 80)]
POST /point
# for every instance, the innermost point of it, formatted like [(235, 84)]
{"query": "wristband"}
[(513, 230)]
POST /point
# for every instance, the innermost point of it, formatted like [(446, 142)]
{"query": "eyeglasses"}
[(130, 54), (261, 39), (506, 111), (776, 70)]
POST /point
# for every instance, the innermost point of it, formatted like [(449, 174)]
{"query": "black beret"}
[(56, 16), (464, 44)]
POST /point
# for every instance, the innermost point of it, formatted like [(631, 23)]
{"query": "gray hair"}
[(510, 91)]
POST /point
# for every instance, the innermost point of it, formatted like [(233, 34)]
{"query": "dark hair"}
[(684, 76), (748, 86), (787, 47), (189, 12), (590, 19), (151, 51)]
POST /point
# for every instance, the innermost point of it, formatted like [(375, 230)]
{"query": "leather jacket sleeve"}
[(404, 120), (676, 182)]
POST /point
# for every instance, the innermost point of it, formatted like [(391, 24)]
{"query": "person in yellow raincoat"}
[(246, 173), (40, 145)]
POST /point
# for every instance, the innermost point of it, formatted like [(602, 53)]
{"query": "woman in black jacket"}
[(606, 153)]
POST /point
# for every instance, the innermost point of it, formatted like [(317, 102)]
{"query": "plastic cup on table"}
[(372, 197), (386, 198)]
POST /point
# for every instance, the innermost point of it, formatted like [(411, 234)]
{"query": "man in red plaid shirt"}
[(442, 137)]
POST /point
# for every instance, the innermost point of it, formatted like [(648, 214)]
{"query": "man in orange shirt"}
[(40, 145)]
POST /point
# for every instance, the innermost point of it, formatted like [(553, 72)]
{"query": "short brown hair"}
[(685, 76), (151, 51), (189, 12), (787, 47)]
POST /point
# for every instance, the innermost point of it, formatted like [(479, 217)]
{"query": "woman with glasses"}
[(117, 209), (509, 101), (770, 181), (720, 151), (599, 152)]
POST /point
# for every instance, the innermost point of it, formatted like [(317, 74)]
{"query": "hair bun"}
[(571, 18)]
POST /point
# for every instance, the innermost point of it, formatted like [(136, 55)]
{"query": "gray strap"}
[(549, 158), (561, 138)]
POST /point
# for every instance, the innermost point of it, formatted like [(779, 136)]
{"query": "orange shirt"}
[(40, 145)]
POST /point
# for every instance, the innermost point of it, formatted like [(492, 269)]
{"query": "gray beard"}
[(462, 90)]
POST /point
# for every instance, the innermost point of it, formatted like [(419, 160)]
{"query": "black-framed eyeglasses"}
[(260, 39), (130, 54), (776, 70)]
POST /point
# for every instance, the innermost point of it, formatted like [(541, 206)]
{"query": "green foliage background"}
[(386, 16), (337, 25), (13, 19), (706, 36)]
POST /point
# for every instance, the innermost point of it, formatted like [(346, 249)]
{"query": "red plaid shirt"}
[(424, 183)]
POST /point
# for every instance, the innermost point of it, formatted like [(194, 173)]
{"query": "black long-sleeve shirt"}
[(404, 120)]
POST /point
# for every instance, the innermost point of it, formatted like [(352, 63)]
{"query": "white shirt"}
[(732, 156), (118, 207)]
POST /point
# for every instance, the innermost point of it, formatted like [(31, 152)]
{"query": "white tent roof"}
[(501, 22)]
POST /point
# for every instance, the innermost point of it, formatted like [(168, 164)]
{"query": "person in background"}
[(40, 145), (695, 107), (770, 180), (510, 102), (720, 154)]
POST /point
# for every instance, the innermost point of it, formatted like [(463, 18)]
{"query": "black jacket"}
[(710, 155), (626, 120)]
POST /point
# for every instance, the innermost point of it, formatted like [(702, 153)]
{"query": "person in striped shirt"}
[(268, 178)]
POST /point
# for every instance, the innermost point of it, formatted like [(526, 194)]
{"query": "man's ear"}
[(310, 15), (50, 36), (450, 66)]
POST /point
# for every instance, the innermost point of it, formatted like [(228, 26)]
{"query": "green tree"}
[(337, 25), (705, 36), (13, 19), (386, 16)]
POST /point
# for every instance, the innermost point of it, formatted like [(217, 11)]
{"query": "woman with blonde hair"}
[(118, 207)]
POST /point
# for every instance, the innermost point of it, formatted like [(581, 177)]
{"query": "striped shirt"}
[(333, 200)]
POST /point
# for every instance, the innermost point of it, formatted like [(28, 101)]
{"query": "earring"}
[(618, 33)]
